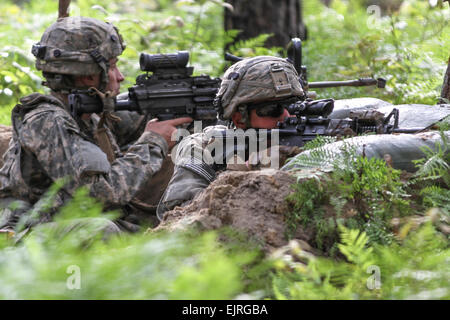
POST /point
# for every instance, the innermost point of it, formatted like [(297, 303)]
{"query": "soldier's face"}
[(115, 77), (258, 122)]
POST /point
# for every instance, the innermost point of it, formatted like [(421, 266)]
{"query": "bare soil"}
[(249, 201)]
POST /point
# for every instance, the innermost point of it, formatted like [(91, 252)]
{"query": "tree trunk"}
[(445, 94), (282, 18)]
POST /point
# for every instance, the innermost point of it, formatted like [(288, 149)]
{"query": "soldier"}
[(253, 94), (49, 143)]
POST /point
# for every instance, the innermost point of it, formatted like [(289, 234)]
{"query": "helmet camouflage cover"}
[(78, 46), (255, 80)]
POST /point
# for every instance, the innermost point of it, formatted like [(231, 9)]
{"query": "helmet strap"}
[(60, 83), (104, 66), (245, 115)]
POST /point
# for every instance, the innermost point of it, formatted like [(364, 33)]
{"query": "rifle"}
[(169, 92), (310, 121), (311, 116), (295, 57)]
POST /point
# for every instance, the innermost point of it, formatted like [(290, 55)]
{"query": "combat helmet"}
[(254, 80), (76, 46)]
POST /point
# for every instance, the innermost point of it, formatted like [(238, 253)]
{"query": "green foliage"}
[(306, 199), (434, 175), (436, 164), (370, 191), (354, 203), (436, 197), (353, 245), (254, 47), (140, 266), (417, 268), (319, 141), (409, 48)]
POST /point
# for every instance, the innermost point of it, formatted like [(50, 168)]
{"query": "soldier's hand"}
[(166, 128)]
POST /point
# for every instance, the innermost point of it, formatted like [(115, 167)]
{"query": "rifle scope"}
[(312, 108), (152, 62)]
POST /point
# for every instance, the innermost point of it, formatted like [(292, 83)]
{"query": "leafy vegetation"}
[(379, 234), (416, 268), (363, 194), (409, 47)]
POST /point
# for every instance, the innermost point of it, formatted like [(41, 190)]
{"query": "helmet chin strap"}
[(104, 66), (101, 133), (245, 115)]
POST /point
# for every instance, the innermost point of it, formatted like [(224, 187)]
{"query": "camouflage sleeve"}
[(55, 140), (193, 170), (130, 128)]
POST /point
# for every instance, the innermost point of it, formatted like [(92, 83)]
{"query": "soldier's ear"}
[(237, 120), (92, 80)]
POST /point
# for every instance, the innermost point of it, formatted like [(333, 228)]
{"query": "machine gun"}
[(295, 57), (311, 120), (169, 92)]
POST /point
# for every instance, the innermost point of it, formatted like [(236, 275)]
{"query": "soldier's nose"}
[(120, 76)]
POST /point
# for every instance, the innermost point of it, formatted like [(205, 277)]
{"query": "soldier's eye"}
[(275, 111)]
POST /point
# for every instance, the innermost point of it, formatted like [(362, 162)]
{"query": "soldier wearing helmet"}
[(253, 94), (48, 144)]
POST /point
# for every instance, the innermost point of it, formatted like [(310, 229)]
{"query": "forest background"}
[(408, 46)]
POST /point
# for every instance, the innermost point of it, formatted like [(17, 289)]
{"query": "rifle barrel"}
[(232, 58), (408, 130), (349, 83), (126, 104)]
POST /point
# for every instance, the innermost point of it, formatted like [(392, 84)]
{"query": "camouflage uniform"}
[(251, 80), (49, 144)]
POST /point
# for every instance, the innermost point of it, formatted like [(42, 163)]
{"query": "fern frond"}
[(318, 142), (435, 196), (354, 245)]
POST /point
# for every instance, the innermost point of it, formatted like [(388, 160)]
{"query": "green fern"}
[(416, 268), (254, 47), (435, 196), (444, 124), (354, 246), (306, 201), (318, 142), (436, 163)]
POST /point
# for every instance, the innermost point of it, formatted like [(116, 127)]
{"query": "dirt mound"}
[(5, 136), (252, 201)]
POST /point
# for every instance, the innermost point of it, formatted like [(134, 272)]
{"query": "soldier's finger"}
[(176, 122)]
